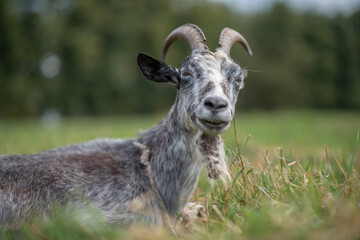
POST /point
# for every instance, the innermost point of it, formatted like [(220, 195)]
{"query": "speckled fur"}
[(107, 174)]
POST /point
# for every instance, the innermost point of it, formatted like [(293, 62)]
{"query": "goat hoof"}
[(192, 213)]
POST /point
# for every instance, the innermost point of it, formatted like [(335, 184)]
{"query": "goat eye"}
[(238, 79), (186, 74)]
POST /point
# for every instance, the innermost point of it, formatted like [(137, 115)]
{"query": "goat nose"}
[(215, 103)]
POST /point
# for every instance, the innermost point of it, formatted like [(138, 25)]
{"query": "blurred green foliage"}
[(300, 60)]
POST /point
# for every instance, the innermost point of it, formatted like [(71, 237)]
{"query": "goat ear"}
[(157, 70), (245, 73)]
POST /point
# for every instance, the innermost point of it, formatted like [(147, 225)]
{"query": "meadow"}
[(295, 175)]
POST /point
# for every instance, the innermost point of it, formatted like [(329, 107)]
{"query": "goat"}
[(136, 180)]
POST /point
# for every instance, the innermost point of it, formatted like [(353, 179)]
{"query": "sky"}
[(328, 7)]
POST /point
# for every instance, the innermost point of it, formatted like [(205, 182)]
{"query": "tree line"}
[(79, 57)]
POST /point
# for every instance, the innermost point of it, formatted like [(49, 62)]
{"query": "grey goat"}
[(136, 180)]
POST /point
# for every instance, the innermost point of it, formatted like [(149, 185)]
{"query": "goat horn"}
[(228, 37), (191, 33)]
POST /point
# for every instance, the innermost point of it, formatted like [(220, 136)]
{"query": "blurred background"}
[(68, 74), (72, 57)]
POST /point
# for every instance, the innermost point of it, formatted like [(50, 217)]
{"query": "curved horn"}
[(228, 37), (191, 33)]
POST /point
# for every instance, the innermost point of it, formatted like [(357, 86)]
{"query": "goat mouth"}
[(214, 125)]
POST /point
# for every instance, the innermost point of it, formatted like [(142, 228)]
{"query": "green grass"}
[(296, 177), (307, 131)]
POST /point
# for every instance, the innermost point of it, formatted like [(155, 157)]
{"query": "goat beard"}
[(212, 149)]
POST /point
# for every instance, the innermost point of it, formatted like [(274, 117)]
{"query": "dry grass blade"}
[(218, 212), (341, 168), (327, 161)]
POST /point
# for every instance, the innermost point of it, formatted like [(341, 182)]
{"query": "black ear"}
[(157, 70)]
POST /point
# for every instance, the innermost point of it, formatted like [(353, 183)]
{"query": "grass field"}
[(295, 177)]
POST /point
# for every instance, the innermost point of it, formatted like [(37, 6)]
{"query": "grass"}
[(295, 177)]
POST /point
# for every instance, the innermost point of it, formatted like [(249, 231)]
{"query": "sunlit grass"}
[(286, 197), (295, 177)]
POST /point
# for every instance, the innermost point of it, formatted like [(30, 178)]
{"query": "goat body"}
[(108, 174)]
